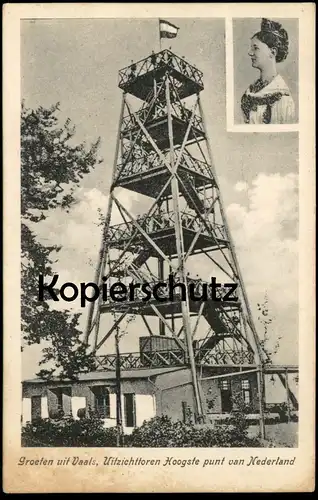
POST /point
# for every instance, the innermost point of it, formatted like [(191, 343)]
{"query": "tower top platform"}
[(138, 78)]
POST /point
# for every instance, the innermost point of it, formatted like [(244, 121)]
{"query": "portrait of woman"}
[(268, 99)]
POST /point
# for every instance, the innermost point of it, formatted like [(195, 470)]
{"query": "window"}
[(186, 412), (60, 401), (224, 384), (246, 389), (247, 397), (35, 407), (102, 403), (130, 410), (59, 395)]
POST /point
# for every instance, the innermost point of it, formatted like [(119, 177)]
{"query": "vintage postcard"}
[(159, 248)]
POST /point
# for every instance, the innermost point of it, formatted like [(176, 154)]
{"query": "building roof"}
[(143, 373), (108, 375), (281, 369)]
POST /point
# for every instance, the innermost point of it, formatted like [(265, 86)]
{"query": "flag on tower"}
[(167, 30)]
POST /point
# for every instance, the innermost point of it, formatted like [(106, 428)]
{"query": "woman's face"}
[(260, 54)]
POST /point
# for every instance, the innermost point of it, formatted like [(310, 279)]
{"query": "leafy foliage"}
[(235, 427), (266, 320), (50, 161), (282, 410), (51, 168), (68, 432), (159, 432)]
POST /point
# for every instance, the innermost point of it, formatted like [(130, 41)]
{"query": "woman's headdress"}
[(272, 27), (274, 35)]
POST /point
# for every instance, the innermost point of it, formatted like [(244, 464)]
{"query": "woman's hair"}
[(274, 36)]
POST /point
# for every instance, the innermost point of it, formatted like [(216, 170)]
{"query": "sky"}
[(76, 62)]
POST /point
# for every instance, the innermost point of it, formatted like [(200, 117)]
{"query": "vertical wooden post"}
[(287, 395), (119, 419), (104, 247), (180, 252), (258, 353), (173, 325), (260, 390), (159, 34), (162, 330)]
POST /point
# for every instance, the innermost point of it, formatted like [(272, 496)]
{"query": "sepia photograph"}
[(149, 364), (158, 254), (265, 60)]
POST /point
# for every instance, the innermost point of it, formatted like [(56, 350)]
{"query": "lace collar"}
[(262, 89)]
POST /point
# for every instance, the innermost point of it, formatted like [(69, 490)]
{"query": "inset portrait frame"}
[(281, 93)]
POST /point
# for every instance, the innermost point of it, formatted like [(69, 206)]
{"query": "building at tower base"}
[(147, 393)]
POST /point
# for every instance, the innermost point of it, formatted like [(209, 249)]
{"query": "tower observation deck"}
[(163, 153)]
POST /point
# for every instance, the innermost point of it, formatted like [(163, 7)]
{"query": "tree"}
[(265, 319), (51, 168)]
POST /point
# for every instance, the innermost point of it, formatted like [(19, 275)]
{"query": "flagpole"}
[(159, 34)]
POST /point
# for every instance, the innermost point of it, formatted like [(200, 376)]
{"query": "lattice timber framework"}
[(163, 154)]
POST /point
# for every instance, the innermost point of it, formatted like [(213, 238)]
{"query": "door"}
[(130, 410), (35, 407), (226, 397)]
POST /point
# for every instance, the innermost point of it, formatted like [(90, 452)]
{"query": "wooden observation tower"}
[(163, 153)]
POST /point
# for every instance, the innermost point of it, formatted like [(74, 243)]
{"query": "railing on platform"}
[(149, 113), (195, 165), (164, 59), (173, 358), (141, 161), (159, 222), (208, 358), (139, 360), (164, 292)]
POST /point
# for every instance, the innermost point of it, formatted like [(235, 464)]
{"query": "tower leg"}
[(260, 389), (257, 347), (103, 247), (119, 418), (287, 396), (161, 278), (180, 251)]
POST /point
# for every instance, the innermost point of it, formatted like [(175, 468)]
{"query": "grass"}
[(281, 435)]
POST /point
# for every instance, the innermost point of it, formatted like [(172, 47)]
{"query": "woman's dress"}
[(268, 103)]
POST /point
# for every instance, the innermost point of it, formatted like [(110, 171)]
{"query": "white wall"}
[(77, 403), (112, 402), (145, 408), (26, 410), (44, 407), (109, 422), (275, 391)]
